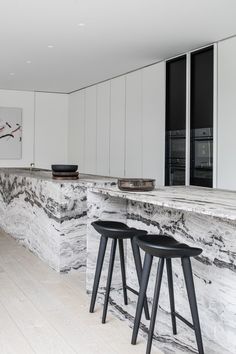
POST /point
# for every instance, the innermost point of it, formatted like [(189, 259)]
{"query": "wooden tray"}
[(136, 184), (65, 174), (65, 178)]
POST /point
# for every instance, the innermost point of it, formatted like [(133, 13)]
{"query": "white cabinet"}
[(103, 128), (226, 166), (90, 146), (153, 110), (76, 129), (133, 151), (117, 130)]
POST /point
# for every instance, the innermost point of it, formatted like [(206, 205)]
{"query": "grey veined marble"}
[(208, 222), (49, 217)]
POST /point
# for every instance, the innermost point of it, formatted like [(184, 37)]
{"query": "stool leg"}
[(100, 259), (122, 265), (109, 277), (188, 276), (142, 293), (155, 304), (138, 265), (171, 293)]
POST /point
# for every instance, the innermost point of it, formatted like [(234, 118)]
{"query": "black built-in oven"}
[(202, 157)]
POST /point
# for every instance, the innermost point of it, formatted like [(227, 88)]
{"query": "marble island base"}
[(48, 217), (214, 270)]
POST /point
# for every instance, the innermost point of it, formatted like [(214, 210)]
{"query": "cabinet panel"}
[(117, 134), (103, 128), (90, 157), (153, 108), (133, 153), (226, 114), (76, 129)]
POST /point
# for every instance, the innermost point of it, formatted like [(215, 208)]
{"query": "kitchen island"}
[(48, 216), (200, 217)]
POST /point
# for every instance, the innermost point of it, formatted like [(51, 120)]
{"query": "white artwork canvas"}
[(10, 133)]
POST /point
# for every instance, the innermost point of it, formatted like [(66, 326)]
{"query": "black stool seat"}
[(117, 232), (166, 246), (116, 229)]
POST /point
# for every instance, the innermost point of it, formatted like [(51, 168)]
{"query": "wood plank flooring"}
[(44, 312)]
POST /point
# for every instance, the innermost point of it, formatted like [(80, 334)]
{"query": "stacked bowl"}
[(65, 172)]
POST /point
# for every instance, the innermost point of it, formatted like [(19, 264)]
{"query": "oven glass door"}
[(202, 157)]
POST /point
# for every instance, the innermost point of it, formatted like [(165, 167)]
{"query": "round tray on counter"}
[(136, 184), (65, 178), (65, 174)]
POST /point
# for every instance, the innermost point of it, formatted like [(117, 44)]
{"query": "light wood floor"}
[(44, 312)]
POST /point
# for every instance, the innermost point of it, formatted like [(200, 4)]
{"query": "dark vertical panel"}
[(201, 110), (175, 121)]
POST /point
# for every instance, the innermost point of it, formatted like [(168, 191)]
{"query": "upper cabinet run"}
[(117, 127)]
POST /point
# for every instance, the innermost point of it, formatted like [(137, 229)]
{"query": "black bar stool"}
[(116, 231), (166, 248)]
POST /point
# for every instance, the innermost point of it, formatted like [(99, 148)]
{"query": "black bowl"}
[(64, 168)]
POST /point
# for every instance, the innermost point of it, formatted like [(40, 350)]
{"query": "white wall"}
[(51, 129), (24, 100), (123, 121), (226, 167), (44, 127)]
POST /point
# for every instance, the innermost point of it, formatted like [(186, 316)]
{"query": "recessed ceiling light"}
[(12, 74), (50, 46), (28, 61), (81, 24)]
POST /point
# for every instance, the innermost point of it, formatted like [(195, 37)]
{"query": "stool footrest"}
[(132, 290), (181, 318)]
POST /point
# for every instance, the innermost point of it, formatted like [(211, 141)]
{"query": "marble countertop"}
[(46, 175), (208, 201)]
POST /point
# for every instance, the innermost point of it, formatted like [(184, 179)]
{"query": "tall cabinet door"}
[(153, 110), (133, 153), (175, 163), (227, 114), (201, 118), (90, 160), (103, 128), (117, 130), (76, 128)]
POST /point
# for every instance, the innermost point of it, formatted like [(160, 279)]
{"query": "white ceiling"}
[(118, 36)]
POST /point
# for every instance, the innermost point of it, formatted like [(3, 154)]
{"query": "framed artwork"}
[(10, 133)]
